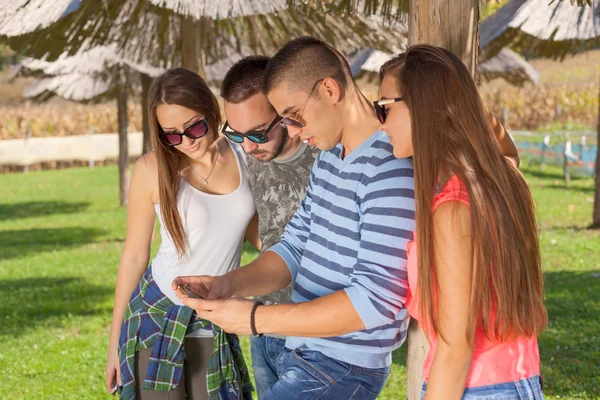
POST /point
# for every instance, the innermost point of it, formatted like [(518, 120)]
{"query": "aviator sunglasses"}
[(195, 131)]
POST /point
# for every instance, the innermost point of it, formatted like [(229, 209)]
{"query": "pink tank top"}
[(492, 362)]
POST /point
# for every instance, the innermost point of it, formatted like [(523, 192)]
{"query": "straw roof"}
[(94, 61), (86, 76), (151, 34), (506, 65), (509, 66), (542, 29), (18, 17), (72, 86)]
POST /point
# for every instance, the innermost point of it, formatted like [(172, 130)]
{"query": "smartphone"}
[(114, 390), (189, 292)]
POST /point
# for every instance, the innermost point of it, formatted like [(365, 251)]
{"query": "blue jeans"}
[(306, 375), (524, 389), (265, 350)]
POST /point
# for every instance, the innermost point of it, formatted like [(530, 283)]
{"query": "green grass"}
[(61, 233)]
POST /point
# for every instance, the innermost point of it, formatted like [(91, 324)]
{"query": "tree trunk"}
[(123, 145), (147, 139), (191, 50), (596, 216), (453, 25)]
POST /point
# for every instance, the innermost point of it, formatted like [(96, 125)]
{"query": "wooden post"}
[(192, 57), (123, 144), (454, 25), (147, 139), (566, 174), (596, 214), (27, 136), (91, 161)]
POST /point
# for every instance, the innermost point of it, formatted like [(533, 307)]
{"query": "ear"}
[(332, 91)]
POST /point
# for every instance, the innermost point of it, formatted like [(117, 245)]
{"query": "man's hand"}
[(207, 287), (231, 315)]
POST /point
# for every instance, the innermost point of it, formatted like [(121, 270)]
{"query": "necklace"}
[(205, 180)]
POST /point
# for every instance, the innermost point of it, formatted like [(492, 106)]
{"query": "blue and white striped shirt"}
[(350, 233)]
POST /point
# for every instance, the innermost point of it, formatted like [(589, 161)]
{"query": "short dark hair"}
[(244, 79), (303, 61), (392, 64)]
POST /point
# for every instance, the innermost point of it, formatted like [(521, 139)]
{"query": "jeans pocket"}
[(362, 393), (303, 359), (279, 363)]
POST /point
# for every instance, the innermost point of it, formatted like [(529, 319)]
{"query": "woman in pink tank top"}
[(476, 280)]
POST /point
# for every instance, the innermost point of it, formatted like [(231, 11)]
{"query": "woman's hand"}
[(113, 371)]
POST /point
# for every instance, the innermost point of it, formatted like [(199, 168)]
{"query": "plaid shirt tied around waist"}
[(152, 320)]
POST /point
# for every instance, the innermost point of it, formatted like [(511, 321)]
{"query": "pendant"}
[(206, 182)]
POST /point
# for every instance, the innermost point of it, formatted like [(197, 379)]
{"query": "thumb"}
[(119, 380)]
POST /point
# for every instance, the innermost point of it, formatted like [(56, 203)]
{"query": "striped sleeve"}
[(379, 281), (293, 241)]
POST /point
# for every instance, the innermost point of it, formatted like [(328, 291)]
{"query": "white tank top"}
[(214, 225)]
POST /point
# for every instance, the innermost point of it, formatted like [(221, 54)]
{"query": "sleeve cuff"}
[(363, 305), (288, 258)]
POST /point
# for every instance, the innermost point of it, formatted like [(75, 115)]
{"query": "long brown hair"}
[(185, 88), (450, 133)]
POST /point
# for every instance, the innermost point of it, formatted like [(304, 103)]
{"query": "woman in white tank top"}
[(196, 184)]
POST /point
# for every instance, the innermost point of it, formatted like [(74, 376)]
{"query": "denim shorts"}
[(524, 389)]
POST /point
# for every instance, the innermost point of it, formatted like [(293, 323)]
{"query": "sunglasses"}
[(380, 107), (294, 122), (258, 137), (195, 131)]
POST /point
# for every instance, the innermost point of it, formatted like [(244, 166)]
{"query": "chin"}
[(265, 157), (401, 153)]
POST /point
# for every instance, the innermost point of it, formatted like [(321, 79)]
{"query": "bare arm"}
[(136, 251), (265, 275), (331, 315), (252, 235), (452, 258), (507, 146)]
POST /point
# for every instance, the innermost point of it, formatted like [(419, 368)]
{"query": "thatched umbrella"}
[(194, 33), (90, 76), (18, 17), (507, 65), (542, 29), (553, 31)]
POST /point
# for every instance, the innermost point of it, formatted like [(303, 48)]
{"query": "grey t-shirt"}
[(278, 187)]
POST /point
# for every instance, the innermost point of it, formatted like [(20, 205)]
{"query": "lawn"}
[(61, 233)]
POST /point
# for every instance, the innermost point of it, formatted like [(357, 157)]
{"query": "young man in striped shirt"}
[(344, 249)]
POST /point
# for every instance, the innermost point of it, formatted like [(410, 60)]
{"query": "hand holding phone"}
[(114, 390), (189, 292)]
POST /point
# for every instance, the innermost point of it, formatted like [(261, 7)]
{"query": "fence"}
[(89, 148), (575, 158)]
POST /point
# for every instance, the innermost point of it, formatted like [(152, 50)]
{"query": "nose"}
[(293, 131), (187, 142), (248, 145)]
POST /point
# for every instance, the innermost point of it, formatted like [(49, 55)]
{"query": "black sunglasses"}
[(380, 109), (195, 131), (258, 137)]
